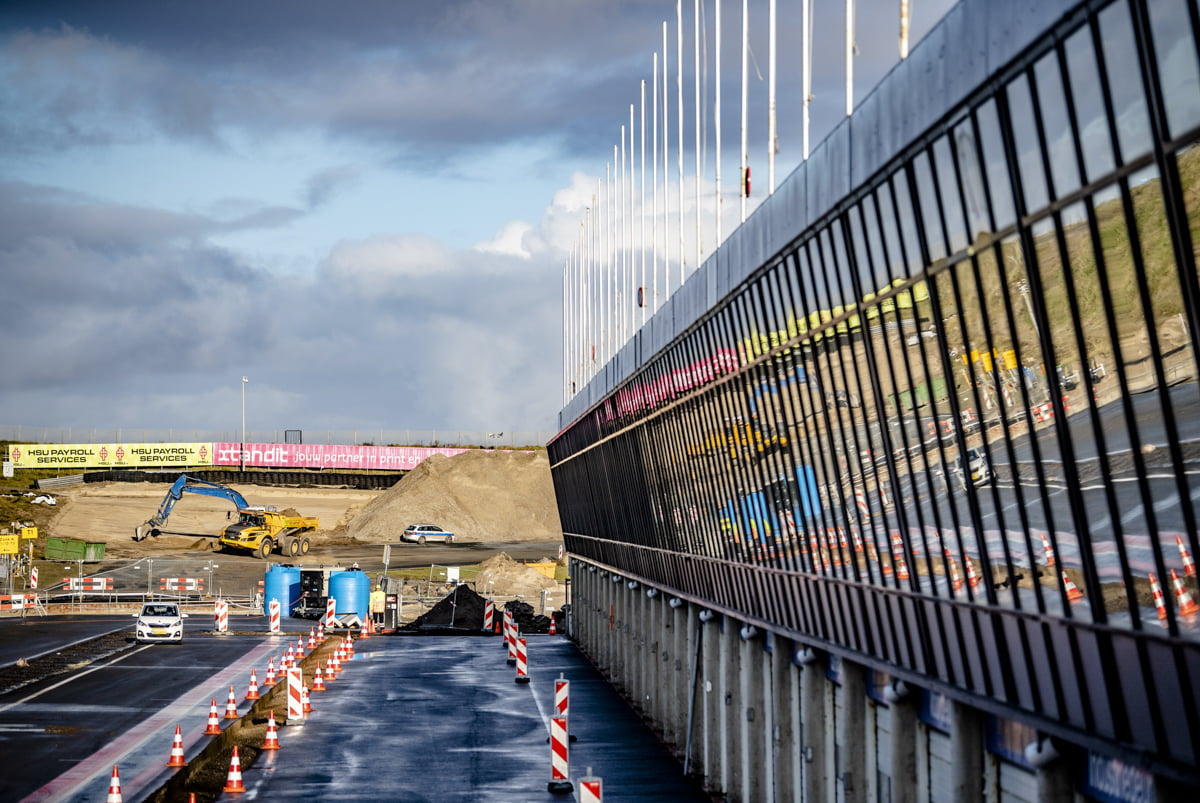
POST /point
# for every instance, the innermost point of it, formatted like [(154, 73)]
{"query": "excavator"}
[(191, 485), (259, 530)]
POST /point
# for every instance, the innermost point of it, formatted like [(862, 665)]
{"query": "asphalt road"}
[(412, 718)]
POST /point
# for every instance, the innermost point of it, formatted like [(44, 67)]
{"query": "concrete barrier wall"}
[(758, 717)]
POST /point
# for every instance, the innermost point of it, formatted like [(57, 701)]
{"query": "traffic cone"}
[(272, 740), (305, 702), (955, 578), (299, 650), (233, 781), (269, 680), (1183, 598), (318, 680), (553, 629), (1157, 593), (177, 759), (348, 648), (252, 692), (1189, 565), (231, 706), (898, 550), (114, 787), (214, 724), (312, 639), (1049, 551), (330, 672), (365, 631), (972, 577), (320, 633), (1073, 592)]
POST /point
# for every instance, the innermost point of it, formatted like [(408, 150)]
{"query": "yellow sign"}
[(110, 455), (28, 532), (9, 544)]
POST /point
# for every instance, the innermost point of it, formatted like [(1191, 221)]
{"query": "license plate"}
[(158, 631)]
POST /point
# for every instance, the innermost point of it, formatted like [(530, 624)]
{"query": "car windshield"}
[(158, 610)]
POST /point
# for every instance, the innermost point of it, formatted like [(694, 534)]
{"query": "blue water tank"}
[(352, 590), (282, 583)]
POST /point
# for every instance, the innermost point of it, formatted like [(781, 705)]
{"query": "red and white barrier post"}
[(560, 768), (330, 613), (488, 614), (522, 662), (591, 788), (273, 622), (562, 697), (220, 616), (295, 696)]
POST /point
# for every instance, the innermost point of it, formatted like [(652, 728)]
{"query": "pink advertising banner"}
[(296, 455)]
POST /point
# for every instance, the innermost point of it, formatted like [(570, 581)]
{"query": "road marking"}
[(126, 749)]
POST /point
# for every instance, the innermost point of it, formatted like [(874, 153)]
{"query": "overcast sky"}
[(365, 207)]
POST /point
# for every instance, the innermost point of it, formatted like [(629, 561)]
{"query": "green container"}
[(67, 549)]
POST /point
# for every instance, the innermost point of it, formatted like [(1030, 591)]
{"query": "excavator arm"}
[(186, 484)]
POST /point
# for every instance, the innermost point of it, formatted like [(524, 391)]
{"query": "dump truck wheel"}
[(264, 549), (304, 545), (291, 547)]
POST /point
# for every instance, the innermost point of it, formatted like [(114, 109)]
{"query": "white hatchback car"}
[(160, 621)]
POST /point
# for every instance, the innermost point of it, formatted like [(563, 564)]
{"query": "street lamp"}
[(242, 451)]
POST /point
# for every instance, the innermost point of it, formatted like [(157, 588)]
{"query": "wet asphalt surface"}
[(411, 718)]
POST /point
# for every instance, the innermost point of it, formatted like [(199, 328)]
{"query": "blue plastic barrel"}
[(352, 590), (282, 583)]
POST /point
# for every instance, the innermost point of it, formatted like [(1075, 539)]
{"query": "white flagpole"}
[(610, 171), (805, 69), (624, 253), (602, 289), (717, 115), (772, 134), (666, 170), (745, 104), (566, 333), (849, 57), (632, 207), (904, 15), (696, 81), (642, 207), (654, 187), (679, 93)]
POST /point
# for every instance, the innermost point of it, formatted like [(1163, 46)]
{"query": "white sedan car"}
[(421, 533), (160, 621)]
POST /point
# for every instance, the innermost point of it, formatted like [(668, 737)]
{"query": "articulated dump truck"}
[(261, 532)]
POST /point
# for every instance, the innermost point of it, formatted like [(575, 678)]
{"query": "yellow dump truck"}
[(261, 532)]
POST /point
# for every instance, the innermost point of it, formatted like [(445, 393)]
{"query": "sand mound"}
[(502, 576), (477, 495)]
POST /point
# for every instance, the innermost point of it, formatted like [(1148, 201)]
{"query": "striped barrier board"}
[(295, 692), (17, 602), (181, 584), (90, 584)]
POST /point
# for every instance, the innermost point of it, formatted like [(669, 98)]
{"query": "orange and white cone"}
[(233, 781), (252, 692), (898, 551), (365, 631), (214, 724), (1073, 592), (330, 672), (177, 759), (1048, 550), (553, 629), (318, 680), (305, 702), (114, 787), (972, 577), (231, 706), (320, 633), (348, 647), (272, 740), (312, 639), (1183, 598), (269, 680), (1189, 565), (1157, 593), (955, 578)]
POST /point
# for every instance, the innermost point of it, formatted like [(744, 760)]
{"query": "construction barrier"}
[(89, 584), (221, 616), (181, 584), (18, 602), (522, 662), (562, 692), (273, 626), (330, 613), (591, 788), (560, 782), (488, 613), (295, 696)]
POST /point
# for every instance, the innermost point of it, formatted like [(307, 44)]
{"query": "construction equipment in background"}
[(191, 485)]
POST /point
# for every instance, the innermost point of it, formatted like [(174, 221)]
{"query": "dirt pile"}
[(462, 610), (477, 495), (502, 576)]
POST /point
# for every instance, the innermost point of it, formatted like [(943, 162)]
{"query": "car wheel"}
[(305, 545), (449, 539), (421, 539), (264, 549)]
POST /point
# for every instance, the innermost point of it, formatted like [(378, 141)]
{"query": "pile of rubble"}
[(461, 613)]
